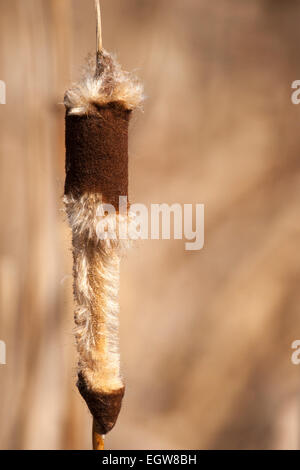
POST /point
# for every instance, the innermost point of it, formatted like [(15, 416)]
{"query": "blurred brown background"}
[(205, 336)]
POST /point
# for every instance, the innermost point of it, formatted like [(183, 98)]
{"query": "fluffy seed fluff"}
[(112, 86), (96, 287)]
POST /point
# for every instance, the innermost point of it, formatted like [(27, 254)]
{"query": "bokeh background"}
[(205, 336)]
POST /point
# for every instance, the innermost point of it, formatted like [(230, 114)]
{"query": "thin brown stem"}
[(99, 48), (98, 439), (99, 27)]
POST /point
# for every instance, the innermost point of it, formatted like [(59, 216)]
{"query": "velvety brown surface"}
[(105, 407), (97, 154)]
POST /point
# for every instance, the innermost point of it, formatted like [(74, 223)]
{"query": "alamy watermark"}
[(295, 357), (2, 92), (2, 343), (161, 222), (2, 353)]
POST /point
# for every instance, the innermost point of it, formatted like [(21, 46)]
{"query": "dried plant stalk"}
[(98, 111)]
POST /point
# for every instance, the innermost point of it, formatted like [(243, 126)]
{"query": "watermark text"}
[(2, 92), (159, 222)]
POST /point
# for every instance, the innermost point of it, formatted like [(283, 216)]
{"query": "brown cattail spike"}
[(98, 110), (97, 154)]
